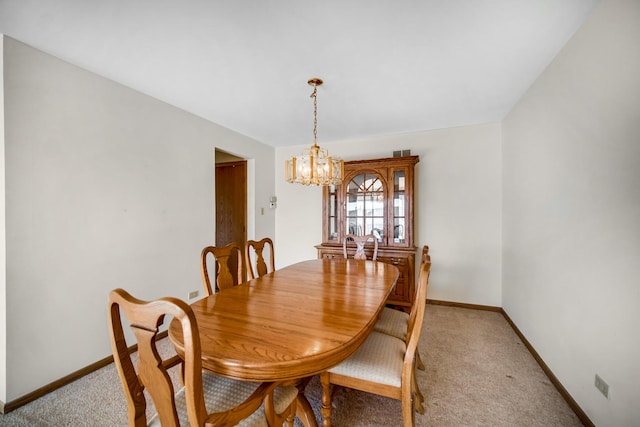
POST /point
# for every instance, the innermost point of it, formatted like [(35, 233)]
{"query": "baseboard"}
[(465, 305), (36, 394), (5, 408), (10, 406), (554, 380)]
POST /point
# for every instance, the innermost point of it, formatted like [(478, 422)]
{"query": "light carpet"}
[(478, 373)]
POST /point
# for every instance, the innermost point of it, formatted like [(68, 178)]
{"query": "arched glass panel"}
[(365, 206)]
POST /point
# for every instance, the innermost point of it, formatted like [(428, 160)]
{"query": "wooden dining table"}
[(291, 324)]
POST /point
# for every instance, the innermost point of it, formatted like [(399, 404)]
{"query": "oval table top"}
[(293, 323)]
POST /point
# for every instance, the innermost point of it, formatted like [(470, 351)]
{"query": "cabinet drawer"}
[(328, 255), (400, 262)]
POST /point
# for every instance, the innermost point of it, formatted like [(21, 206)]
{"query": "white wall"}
[(3, 253), (572, 214), (105, 188), (457, 211)]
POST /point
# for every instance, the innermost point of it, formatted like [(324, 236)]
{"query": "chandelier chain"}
[(314, 95)]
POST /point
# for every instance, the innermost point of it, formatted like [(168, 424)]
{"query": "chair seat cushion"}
[(379, 360), (393, 322), (221, 394)]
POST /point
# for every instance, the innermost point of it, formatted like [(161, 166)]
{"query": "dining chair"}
[(361, 242), (254, 254), (396, 322), (383, 365), (229, 267), (204, 397), (425, 254)]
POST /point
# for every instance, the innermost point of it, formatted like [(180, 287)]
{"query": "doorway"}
[(231, 201)]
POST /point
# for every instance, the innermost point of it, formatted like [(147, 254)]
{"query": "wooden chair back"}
[(229, 267), (365, 370), (409, 380), (361, 242), (416, 316), (230, 403), (425, 259), (255, 257), (145, 318), (425, 255)]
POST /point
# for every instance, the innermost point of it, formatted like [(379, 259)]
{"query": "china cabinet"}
[(375, 197)]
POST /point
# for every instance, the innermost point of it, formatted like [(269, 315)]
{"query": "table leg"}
[(326, 399), (304, 411)]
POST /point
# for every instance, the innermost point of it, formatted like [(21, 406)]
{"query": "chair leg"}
[(418, 398), (419, 361), (326, 399), (408, 412)]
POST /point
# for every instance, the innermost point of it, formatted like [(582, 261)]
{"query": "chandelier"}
[(315, 166)]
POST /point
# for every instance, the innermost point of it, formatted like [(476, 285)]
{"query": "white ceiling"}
[(388, 66)]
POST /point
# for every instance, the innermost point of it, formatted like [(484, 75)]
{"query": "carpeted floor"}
[(478, 374)]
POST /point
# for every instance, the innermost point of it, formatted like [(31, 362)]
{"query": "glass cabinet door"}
[(399, 207), (375, 197), (364, 204), (332, 214)]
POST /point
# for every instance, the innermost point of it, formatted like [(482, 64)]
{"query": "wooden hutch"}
[(375, 197)]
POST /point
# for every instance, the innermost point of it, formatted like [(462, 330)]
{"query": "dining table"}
[(291, 324)]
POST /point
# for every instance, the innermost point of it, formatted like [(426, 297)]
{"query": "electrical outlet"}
[(602, 386), (194, 294)]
